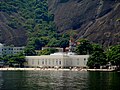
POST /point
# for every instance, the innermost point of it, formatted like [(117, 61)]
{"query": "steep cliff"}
[(96, 20), (10, 35)]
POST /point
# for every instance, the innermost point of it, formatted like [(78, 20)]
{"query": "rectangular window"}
[(43, 62), (84, 61), (56, 62), (59, 62), (38, 62)]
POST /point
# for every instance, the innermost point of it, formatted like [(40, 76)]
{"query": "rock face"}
[(11, 35), (96, 20)]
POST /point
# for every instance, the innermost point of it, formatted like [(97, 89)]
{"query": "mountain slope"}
[(12, 34), (29, 22), (26, 22), (96, 20)]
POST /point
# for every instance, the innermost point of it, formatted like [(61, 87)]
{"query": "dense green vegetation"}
[(84, 47), (16, 60), (99, 56), (34, 17), (113, 55)]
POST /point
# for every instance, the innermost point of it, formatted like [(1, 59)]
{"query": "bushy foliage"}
[(34, 17), (11, 60), (84, 47), (113, 55), (98, 56)]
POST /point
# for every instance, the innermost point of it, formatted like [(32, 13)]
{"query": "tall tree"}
[(113, 55), (29, 51), (97, 58), (84, 47)]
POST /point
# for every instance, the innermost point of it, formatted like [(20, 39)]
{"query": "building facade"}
[(1, 49), (9, 50), (57, 60), (17, 49)]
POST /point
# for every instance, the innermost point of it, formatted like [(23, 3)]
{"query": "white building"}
[(1, 49), (58, 60), (17, 49), (9, 50), (61, 60)]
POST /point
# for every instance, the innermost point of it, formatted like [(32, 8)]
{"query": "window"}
[(59, 62), (43, 62), (84, 61), (20, 48), (56, 62), (38, 62)]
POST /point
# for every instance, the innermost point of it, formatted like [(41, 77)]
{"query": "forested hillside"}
[(28, 22), (38, 23)]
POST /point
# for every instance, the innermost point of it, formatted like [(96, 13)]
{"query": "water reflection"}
[(63, 80), (104, 81)]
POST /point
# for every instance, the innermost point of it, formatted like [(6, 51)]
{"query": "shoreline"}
[(40, 69), (55, 69), (101, 70)]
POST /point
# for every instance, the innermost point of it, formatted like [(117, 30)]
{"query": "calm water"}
[(63, 80)]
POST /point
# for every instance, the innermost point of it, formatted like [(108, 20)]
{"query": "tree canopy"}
[(35, 18), (84, 47), (11, 60), (97, 58), (113, 55)]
